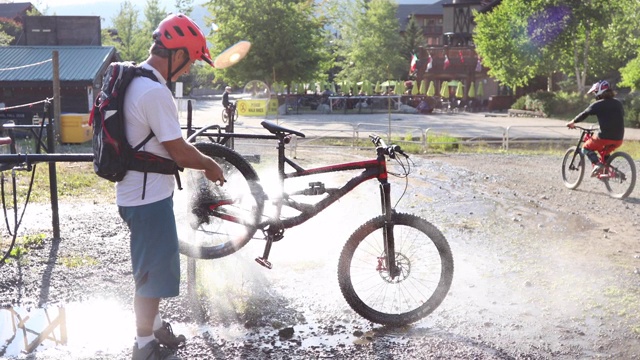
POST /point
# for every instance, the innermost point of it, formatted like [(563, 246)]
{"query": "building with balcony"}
[(450, 53)]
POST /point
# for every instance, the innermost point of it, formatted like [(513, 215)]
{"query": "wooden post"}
[(56, 96)]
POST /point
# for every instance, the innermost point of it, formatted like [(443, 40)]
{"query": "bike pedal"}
[(264, 262)]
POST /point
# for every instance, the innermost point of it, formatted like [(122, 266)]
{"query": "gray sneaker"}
[(152, 351), (167, 338), (597, 169)]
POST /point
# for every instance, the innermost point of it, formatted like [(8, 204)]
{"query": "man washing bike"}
[(610, 114)]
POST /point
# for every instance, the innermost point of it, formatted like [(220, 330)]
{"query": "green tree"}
[(130, 42), (288, 40), (370, 45), (625, 35), (153, 15), (521, 39), (503, 43), (8, 31), (184, 6), (413, 39)]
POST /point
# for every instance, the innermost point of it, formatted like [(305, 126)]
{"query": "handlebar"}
[(389, 150), (590, 130)]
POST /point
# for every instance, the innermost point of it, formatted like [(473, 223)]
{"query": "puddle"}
[(83, 328)]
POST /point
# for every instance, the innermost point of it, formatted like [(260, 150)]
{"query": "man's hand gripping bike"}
[(394, 269)]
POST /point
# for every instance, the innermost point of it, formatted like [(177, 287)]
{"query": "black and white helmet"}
[(599, 88)]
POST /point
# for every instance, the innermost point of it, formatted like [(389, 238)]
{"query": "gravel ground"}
[(542, 272)]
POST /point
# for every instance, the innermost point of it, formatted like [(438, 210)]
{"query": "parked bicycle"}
[(618, 173), (394, 269), (231, 112)]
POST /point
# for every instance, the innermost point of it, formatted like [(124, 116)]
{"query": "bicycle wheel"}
[(225, 116), (235, 114), (572, 168), (619, 175), (224, 218), (426, 271)]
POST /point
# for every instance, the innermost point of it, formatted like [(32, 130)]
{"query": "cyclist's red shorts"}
[(602, 144)]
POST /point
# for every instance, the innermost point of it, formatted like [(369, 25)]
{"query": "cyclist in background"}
[(225, 97), (610, 114)]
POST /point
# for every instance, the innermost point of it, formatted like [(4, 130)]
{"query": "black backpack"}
[(113, 156)]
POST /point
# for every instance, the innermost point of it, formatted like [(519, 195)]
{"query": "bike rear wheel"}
[(572, 168), (223, 218), (426, 270), (619, 175)]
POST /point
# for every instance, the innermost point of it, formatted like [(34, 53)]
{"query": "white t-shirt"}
[(148, 105)]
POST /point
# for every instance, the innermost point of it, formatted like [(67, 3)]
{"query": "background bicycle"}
[(618, 174), (230, 113)]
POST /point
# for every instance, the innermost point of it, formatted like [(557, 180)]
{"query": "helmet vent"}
[(178, 30), (193, 31)]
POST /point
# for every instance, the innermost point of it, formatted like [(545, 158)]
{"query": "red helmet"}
[(177, 31), (599, 88)]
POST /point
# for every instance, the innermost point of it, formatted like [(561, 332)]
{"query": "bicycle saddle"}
[(277, 129)]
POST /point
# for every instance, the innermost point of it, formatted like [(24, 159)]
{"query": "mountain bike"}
[(230, 112), (618, 173), (394, 269)]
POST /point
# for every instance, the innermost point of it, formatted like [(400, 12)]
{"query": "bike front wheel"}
[(225, 116), (619, 175), (572, 168), (423, 257), (223, 218)]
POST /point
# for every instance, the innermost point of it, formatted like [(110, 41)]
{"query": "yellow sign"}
[(257, 107)]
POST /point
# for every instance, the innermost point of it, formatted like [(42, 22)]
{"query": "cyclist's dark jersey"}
[(610, 113), (225, 99)]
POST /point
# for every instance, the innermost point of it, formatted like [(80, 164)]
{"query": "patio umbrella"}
[(480, 89), (459, 90), (444, 89), (378, 88), (399, 87), (423, 87), (431, 91), (472, 90)]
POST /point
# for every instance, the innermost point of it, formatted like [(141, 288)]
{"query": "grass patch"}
[(75, 181), (23, 245), (78, 261)]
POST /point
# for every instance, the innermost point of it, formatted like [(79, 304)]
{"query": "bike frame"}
[(585, 136), (273, 227), (372, 169)]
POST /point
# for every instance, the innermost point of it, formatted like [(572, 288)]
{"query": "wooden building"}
[(26, 69), (453, 57)]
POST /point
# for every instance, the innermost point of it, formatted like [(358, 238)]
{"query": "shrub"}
[(520, 103), (632, 110)]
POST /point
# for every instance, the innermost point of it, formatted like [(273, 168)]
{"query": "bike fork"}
[(387, 232)]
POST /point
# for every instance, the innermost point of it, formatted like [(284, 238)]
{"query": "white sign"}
[(178, 89)]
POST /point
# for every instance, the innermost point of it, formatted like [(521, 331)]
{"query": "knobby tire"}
[(213, 234), (426, 271), (620, 176), (572, 168)]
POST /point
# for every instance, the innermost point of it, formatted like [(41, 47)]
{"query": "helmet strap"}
[(171, 74)]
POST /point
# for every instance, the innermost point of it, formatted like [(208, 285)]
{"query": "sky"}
[(108, 8)]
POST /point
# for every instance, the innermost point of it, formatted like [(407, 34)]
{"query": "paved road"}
[(464, 125)]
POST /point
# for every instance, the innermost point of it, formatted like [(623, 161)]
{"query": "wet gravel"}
[(542, 272)]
